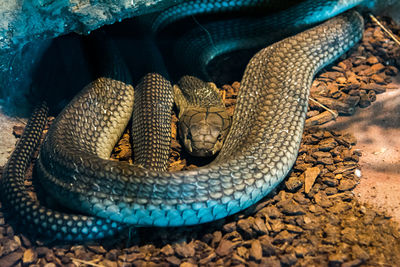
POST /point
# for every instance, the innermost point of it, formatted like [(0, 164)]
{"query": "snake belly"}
[(259, 151)]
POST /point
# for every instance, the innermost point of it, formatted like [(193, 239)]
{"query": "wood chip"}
[(310, 175)]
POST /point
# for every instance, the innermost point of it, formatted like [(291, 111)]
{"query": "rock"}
[(229, 227), (271, 211), (237, 260), (112, 255), (97, 249), (187, 264), (208, 259), (173, 260), (42, 251), (131, 256), (29, 256), (217, 236), (255, 251), (167, 250), (25, 241), (301, 251), (259, 226), (185, 250), (17, 130), (294, 229), (290, 207), (270, 262), (360, 253), (284, 237), (26, 30), (108, 263), (224, 248), (377, 88), (266, 245), (242, 252), (11, 259), (337, 259), (372, 60), (310, 176), (8, 246), (346, 184), (293, 184), (288, 259), (327, 144), (245, 225), (276, 225), (352, 263)]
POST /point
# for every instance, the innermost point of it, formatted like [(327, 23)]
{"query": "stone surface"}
[(7, 139), (26, 28)]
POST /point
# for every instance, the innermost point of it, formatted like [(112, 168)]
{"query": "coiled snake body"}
[(259, 151)]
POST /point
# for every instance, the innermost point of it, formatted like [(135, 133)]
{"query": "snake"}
[(260, 148)]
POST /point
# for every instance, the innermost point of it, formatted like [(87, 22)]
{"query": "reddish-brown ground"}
[(377, 129)]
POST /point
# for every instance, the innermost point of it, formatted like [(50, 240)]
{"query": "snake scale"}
[(259, 151)]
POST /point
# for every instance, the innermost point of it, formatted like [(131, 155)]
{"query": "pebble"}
[(255, 251), (290, 207), (11, 258), (29, 256), (167, 250), (284, 237), (224, 248), (185, 250), (293, 184), (310, 176)]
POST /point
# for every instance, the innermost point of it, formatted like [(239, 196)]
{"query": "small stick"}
[(89, 263), (323, 106), (389, 32)]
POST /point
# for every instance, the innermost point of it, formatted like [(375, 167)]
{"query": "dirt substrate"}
[(311, 219)]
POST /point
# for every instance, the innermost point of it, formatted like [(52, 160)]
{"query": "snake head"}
[(203, 130)]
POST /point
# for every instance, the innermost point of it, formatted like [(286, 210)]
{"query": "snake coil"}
[(259, 151)]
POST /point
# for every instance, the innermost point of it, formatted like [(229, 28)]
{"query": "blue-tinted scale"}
[(233, 207), (175, 219), (219, 211), (205, 215), (145, 220), (85, 230)]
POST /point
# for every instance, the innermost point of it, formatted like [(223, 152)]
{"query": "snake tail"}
[(31, 214)]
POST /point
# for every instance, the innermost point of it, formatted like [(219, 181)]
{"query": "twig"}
[(389, 32), (89, 263), (325, 107), (21, 120)]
